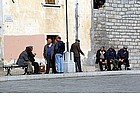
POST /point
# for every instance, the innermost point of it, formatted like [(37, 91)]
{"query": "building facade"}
[(31, 22), (112, 22)]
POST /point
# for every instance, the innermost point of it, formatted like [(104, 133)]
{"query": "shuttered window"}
[(50, 1)]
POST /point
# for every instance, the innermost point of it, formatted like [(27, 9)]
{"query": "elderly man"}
[(101, 57), (23, 60), (75, 48), (49, 56), (123, 56), (112, 59)]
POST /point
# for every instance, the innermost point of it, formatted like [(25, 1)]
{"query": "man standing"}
[(59, 50), (123, 56), (75, 48), (111, 59), (49, 56)]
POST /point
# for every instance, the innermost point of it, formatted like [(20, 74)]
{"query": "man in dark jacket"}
[(23, 60), (75, 48), (49, 56), (122, 57), (101, 57), (59, 50), (111, 59), (31, 57)]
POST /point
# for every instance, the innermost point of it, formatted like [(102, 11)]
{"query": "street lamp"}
[(67, 32)]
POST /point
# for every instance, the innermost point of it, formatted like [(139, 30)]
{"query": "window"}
[(50, 1), (98, 3)]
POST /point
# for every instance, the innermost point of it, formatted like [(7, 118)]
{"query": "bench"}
[(10, 67)]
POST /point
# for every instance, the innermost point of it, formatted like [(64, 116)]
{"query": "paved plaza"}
[(98, 84)]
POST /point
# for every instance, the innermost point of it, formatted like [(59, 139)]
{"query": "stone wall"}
[(118, 24)]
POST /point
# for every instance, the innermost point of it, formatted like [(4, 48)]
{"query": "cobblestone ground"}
[(113, 84)]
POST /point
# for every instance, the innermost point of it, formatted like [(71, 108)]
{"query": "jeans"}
[(59, 62)]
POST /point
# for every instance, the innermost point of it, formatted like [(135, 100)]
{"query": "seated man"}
[(111, 59), (101, 57), (23, 60), (32, 59), (123, 56)]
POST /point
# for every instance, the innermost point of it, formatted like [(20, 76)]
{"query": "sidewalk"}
[(88, 71)]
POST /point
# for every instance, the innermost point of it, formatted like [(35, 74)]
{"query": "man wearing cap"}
[(123, 56), (75, 48), (111, 59)]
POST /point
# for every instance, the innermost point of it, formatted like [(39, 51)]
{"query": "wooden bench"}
[(10, 67)]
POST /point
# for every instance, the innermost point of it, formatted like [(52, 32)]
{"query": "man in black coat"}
[(112, 59), (101, 57), (75, 48), (123, 56), (31, 57)]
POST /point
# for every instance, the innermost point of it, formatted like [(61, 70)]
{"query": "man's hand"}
[(100, 60)]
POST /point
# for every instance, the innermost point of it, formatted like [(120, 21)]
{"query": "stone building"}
[(117, 23)]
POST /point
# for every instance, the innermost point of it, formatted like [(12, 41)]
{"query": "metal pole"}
[(76, 18), (67, 33)]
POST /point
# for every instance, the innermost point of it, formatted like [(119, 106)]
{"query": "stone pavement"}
[(88, 71)]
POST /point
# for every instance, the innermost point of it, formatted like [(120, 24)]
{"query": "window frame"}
[(57, 4)]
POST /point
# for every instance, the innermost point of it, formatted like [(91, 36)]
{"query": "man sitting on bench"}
[(23, 60), (111, 59), (101, 58), (123, 56)]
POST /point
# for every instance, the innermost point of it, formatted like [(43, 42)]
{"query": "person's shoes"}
[(109, 69), (46, 73), (81, 71), (61, 72), (128, 69), (29, 73)]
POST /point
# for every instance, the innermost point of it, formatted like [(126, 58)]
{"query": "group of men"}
[(53, 54), (111, 57)]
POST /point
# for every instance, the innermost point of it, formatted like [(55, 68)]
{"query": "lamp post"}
[(67, 27)]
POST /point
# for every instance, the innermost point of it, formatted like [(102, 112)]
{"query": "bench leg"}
[(8, 72)]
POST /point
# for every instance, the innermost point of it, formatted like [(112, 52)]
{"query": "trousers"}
[(59, 62)]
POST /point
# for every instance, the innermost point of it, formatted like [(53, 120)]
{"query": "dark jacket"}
[(46, 51), (75, 48), (111, 54), (98, 54), (123, 54), (23, 57), (31, 56), (59, 47)]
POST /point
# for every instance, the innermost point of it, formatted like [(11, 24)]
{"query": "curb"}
[(68, 75)]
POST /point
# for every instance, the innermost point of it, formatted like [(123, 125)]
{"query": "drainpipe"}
[(77, 19), (1, 32)]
